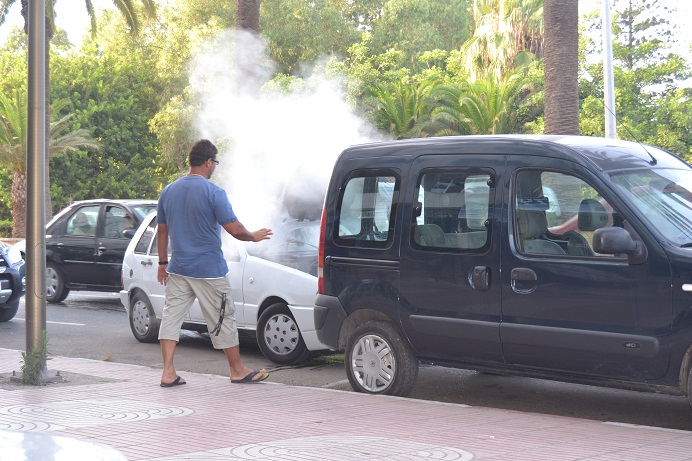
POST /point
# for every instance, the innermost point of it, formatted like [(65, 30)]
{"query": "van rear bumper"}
[(329, 315)]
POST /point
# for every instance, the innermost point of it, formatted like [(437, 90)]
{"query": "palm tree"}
[(399, 109), (484, 106), (13, 137), (508, 32), (126, 8), (561, 97)]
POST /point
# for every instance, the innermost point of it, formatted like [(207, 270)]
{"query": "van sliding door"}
[(450, 278)]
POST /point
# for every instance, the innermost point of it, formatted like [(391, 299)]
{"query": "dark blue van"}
[(561, 257)]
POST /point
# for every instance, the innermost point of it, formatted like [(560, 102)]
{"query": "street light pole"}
[(608, 79), (36, 187)]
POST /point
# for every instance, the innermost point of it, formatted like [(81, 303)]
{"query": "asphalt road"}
[(95, 326)]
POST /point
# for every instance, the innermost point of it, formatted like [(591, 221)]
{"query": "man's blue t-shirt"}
[(194, 210)]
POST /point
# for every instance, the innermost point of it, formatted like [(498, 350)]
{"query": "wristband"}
[(163, 263)]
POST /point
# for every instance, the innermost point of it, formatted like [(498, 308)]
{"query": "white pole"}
[(608, 80)]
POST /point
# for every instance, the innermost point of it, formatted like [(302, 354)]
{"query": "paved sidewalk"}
[(209, 418)]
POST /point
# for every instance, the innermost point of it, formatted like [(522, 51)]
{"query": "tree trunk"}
[(247, 15), (561, 47), (248, 48), (18, 194)]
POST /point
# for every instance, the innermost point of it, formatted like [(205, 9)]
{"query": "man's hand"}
[(262, 234), (162, 275), (237, 230)]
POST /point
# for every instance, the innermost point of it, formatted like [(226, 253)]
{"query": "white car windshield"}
[(664, 197)]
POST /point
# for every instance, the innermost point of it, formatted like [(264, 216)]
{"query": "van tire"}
[(376, 350)]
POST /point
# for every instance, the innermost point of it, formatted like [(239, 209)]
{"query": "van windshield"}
[(664, 197)]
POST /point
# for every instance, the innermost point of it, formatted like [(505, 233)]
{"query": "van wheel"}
[(143, 321), (379, 361), (56, 291), (278, 336)]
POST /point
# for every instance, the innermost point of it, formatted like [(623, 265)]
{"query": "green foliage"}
[(400, 108), (650, 108), (34, 362), (300, 32), (5, 227), (481, 107), (6, 194), (416, 26), (114, 96)]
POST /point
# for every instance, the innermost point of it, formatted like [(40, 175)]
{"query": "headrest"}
[(592, 215)]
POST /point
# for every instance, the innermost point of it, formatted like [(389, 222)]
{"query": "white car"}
[(275, 301)]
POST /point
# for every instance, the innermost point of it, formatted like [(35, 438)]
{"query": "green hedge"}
[(5, 228)]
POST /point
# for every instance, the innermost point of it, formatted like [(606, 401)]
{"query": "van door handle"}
[(101, 250), (479, 278), (524, 281)]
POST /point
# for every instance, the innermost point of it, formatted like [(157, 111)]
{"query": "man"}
[(191, 211)]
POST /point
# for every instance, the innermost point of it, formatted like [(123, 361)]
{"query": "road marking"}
[(56, 323)]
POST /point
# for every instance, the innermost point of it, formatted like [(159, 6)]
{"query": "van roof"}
[(605, 154)]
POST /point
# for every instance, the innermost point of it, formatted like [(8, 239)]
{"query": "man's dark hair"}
[(201, 151)]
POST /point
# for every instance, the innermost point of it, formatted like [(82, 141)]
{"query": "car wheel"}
[(8, 311), (278, 336), (56, 291), (143, 321), (379, 361)]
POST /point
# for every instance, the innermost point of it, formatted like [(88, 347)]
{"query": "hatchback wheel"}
[(278, 336), (143, 321), (379, 361), (56, 291)]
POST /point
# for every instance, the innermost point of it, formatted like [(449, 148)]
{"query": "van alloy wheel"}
[(379, 361)]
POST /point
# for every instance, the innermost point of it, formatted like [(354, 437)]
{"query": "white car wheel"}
[(278, 336), (143, 321)]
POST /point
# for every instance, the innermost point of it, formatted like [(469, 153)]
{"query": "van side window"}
[(365, 211), (557, 213), (453, 210)]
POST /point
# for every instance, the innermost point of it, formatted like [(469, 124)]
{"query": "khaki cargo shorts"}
[(181, 293)]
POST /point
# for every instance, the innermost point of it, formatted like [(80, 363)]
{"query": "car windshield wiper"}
[(686, 245)]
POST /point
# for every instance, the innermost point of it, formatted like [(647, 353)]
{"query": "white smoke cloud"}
[(271, 139)]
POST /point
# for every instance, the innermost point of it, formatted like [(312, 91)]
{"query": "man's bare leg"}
[(238, 370), (168, 351)]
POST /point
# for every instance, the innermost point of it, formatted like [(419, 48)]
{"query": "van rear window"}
[(366, 211)]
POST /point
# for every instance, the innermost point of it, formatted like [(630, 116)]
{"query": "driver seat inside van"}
[(592, 215)]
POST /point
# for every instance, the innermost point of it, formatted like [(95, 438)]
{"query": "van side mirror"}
[(614, 240)]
